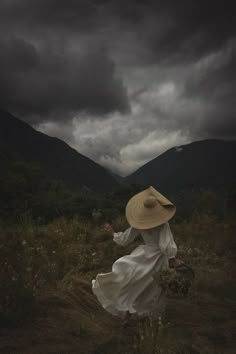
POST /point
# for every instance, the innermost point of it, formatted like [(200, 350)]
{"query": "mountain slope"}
[(19, 141), (207, 163)]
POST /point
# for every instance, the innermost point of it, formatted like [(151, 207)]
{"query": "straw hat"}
[(149, 209)]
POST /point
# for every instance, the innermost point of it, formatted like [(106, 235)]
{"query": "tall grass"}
[(62, 257)]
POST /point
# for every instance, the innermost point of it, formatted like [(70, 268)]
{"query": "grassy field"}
[(46, 303)]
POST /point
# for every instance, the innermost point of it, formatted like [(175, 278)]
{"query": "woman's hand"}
[(108, 227), (175, 262)]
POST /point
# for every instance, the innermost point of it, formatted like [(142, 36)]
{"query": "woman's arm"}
[(166, 241), (123, 238), (168, 246)]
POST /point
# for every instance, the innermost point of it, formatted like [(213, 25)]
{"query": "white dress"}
[(130, 285)]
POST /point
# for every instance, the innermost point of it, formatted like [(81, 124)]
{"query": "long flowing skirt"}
[(130, 285)]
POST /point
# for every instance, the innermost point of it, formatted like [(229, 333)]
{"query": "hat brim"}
[(141, 217)]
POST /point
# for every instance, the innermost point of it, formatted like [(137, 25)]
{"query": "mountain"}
[(202, 164), (20, 142)]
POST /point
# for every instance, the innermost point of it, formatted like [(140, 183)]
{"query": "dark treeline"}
[(24, 188)]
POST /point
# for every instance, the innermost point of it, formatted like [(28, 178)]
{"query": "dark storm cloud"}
[(213, 83), (165, 77), (49, 84), (17, 55), (50, 14), (171, 30), (190, 30)]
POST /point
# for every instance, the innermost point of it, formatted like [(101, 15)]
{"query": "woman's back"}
[(151, 237)]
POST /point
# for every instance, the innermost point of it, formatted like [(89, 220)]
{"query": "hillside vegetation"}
[(25, 188)]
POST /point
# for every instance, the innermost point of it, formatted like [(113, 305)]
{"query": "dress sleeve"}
[(126, 237), (166, 242)]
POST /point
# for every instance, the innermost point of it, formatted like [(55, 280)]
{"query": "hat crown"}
[(150, 202)]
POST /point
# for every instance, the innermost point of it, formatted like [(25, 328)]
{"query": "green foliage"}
[(24, 188), (204, 203)]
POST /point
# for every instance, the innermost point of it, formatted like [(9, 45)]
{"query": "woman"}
[(130, 287)]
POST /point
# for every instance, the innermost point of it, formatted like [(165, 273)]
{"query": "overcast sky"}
[(121, 81)]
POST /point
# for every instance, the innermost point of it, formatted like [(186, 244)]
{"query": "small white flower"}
[(24, 242)]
